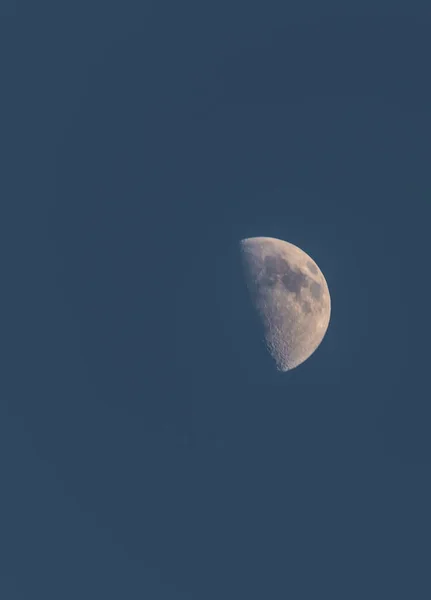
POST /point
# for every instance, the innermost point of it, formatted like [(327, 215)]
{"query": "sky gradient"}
[(149, 448)]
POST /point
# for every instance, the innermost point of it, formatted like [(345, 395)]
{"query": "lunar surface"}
[(291, 296)]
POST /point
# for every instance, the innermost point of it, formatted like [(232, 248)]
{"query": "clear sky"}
[(149, 450)]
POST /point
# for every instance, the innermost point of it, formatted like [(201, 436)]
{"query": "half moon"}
[(291, 296)]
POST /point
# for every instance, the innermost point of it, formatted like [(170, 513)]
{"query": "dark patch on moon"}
[(306, 307), (316, 290), (268, 280), (277, 269), (312, 267), (294, 281), (275, 265)]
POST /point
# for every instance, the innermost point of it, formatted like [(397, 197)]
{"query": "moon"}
[(291, 295)]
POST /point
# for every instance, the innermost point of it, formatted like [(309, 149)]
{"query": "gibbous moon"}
[(291, 296)]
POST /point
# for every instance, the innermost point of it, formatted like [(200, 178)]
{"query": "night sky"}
[(149, 449)]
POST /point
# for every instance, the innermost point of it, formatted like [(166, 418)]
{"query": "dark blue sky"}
[(148, 447)]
